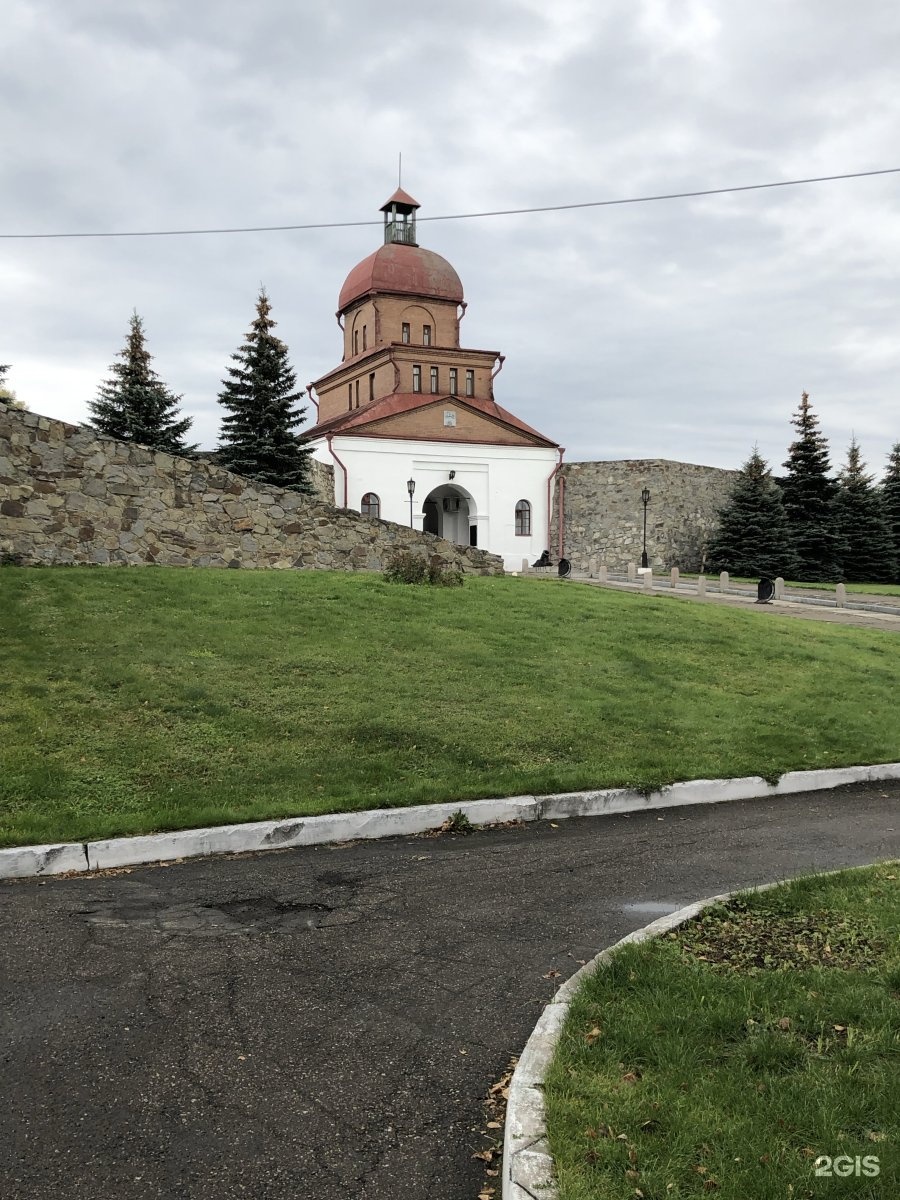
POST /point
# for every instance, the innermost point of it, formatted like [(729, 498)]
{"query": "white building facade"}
[(409, 421)]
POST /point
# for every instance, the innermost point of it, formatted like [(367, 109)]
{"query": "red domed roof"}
[(396, 267)]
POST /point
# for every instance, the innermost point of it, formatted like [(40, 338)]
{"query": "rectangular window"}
[(404, 335), (417, 379), (365, 338), (349, 395), (470, 383), (372, 386), (356, 341), (454, 384), (426, 335), (357, 393), (434, 381)]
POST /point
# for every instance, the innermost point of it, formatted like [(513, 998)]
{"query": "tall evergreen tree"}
[(809, 495), (257, 438), (135, 405), (753, 537), (868, 545), (890, 501), (7, 395)]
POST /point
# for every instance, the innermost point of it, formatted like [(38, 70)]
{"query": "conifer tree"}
[(257, 438), (753, 537), (809, 495), (7, 395), (868, 545), (135, 405), (890, 502)]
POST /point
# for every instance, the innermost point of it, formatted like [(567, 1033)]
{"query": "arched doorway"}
[(449, 511)]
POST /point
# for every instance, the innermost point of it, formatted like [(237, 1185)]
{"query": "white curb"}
[(20, 861), (254, 836)]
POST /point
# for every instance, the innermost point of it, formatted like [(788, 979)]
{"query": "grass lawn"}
[(154, 698), (728, 1057)]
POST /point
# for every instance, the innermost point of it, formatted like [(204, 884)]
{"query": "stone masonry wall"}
[(604, 514), (68, 495)]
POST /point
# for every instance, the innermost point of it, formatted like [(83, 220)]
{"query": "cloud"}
[(686, 329)]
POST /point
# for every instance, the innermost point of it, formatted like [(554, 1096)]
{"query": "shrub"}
[(405, 567)]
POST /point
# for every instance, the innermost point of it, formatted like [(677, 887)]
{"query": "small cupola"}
[(400, 219)]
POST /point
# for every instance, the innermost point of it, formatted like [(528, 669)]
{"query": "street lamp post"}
[(411, 488), (645, 500)]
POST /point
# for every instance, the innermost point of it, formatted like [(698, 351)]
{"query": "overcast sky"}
[(684, 329)]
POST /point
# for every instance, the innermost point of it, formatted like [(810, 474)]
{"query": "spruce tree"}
[(809, 496), (753, 537), (257, 438), (868, 546), (135, 405), (890, 502)]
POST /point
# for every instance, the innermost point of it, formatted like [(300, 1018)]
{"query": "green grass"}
[(727, 1057), (153, 698)]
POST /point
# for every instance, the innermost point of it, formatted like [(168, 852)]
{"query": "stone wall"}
[(604, 514), (68, 495)]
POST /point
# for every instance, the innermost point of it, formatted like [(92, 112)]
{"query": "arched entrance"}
[(449, 511)]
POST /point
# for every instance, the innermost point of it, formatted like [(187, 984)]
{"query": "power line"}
[(501, 212)]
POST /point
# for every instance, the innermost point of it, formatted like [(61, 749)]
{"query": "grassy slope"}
[(153, 698), (675, 1078)]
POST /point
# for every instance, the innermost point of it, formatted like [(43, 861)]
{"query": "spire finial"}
[(400, 169)]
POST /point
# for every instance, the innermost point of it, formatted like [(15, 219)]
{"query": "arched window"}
[(371, 505), (523, 519)]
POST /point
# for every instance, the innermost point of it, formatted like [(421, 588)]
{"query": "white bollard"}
[(723, 582), (675, 577), (602, 573), (592, 568), (648, 580), (701, 586), (779, 588), (524, 565), (840, 595), (632, 572)]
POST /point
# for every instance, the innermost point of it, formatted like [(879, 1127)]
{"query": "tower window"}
[(454, 381), (365, 338), (404, 333), (356, 341), (426, 335), (434, 381), (357, 393), (371, 505), (417, 379), (372, 386), (470, 383), (523, 519), (349, 395)]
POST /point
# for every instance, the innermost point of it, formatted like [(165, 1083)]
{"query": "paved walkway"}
[(859, 617), (321, 1024)]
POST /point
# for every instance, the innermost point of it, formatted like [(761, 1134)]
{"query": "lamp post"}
[(645, 500), (411, 488)]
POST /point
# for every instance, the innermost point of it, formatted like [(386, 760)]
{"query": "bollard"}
[(701, 586), (840, 595), (632, 572), (648, 580), (592, 568), (675, 576), (602, 573), (723, 582), (779, 588), (524, 566)]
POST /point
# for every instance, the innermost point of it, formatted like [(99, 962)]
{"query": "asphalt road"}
[(324, 1023)]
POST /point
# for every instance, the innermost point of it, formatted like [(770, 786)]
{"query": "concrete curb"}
[(255, 836)]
